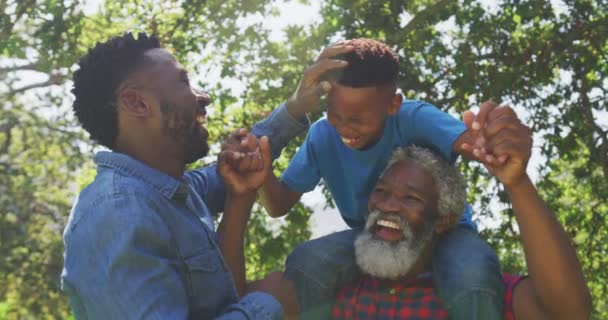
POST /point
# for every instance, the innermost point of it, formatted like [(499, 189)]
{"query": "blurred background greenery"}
[(546, 58)]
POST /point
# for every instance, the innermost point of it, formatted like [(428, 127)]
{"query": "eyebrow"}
[(410, 186)]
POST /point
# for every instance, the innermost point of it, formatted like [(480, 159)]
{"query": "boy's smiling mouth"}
[(350, 141)]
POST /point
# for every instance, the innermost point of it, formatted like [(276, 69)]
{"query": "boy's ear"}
[(445, 223), (396, 101)]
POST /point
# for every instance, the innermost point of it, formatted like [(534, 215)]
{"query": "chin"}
[(197, 152)]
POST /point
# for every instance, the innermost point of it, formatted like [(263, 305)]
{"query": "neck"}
[(423, 264), (153, 157)]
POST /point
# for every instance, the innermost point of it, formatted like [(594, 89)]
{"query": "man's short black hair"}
[(101, 72), (372, 63)]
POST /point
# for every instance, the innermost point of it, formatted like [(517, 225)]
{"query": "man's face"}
[(403, 215), (182, 108), (359, 114)]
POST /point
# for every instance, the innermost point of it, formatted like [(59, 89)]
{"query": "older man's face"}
[(407, 191), (403, 214)]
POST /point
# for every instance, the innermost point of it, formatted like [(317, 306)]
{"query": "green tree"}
[(546, 58)]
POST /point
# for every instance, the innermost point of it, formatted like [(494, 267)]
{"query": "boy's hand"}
[(245, 149), (311, 88), (241, 183), (488, 128)]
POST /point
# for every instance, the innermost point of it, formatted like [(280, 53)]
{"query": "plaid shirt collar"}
[(406, 299)]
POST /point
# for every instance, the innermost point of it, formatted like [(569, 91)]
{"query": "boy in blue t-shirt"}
[(366, 120)]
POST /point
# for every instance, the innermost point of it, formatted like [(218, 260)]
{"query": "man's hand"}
[(245, 151), (311, 88), (515, 145), (276, 285), (258, 164), (487, 125)]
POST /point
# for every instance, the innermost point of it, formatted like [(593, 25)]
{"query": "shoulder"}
[(321, 138), (320, 129), (114, 201), (410, 107)]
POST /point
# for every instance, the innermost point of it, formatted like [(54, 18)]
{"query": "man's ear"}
[(132, 102), (396, 101), (445, 223)]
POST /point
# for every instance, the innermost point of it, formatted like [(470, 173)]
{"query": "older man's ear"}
[(445, 223)]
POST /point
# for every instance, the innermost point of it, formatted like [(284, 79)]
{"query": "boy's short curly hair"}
[(100, 73), (371, 64)]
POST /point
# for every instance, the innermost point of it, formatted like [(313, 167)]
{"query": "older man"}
[(416, 200)]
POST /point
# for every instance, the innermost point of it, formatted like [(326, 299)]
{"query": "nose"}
[(388, 203), (202, 97), (345, 131)]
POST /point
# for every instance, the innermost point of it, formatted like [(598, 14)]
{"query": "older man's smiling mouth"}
[(388, 230)]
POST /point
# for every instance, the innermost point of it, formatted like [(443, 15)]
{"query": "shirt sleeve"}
[(280, 127), (208, 184), (510, 281), (303, 174), (255, 305), (424, 124), (124, 267)]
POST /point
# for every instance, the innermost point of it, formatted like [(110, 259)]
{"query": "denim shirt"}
[(140, 244)]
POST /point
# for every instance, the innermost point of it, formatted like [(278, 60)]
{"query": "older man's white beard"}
[(387, 260)]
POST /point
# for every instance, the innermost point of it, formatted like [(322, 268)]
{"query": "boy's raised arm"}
[(277, 197)]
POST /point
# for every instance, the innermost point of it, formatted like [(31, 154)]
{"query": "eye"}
[(410, 197), (379, 189)]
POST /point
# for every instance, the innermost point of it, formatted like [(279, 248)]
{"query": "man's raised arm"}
[(555, 288)]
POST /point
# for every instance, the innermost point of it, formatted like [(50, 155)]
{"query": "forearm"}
[(468, 138), (281, 126), (553, 266), (231, 235), (276, 197)]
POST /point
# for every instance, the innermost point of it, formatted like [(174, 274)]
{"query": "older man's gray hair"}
[(450, 183)]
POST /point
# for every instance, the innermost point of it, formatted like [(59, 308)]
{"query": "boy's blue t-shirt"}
[(351, 174)]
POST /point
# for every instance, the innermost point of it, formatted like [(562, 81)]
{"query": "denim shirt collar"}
[(165, 184)]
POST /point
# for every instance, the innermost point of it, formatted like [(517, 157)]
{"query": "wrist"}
[(514, 184), (295, 110), (243, 196)]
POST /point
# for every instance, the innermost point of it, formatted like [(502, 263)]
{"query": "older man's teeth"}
[(388, 224)]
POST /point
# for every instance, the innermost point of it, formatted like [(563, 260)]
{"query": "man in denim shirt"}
[(140, 241)]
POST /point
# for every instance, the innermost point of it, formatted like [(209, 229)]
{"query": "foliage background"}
[(547, 58)]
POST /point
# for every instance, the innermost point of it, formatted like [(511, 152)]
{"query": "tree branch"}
[(423, 16), (31, 86), (30, 66)]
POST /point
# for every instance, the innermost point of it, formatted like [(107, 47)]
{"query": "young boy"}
[(366, 120)]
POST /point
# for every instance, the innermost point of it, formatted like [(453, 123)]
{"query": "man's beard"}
[(185, 131), (388, 260)]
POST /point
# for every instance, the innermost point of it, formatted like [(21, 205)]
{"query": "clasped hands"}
[(244, 162)]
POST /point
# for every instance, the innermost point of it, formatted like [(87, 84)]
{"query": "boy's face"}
[(359, 114)]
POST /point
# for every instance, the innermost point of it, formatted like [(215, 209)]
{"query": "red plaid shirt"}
[(411, 299)]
